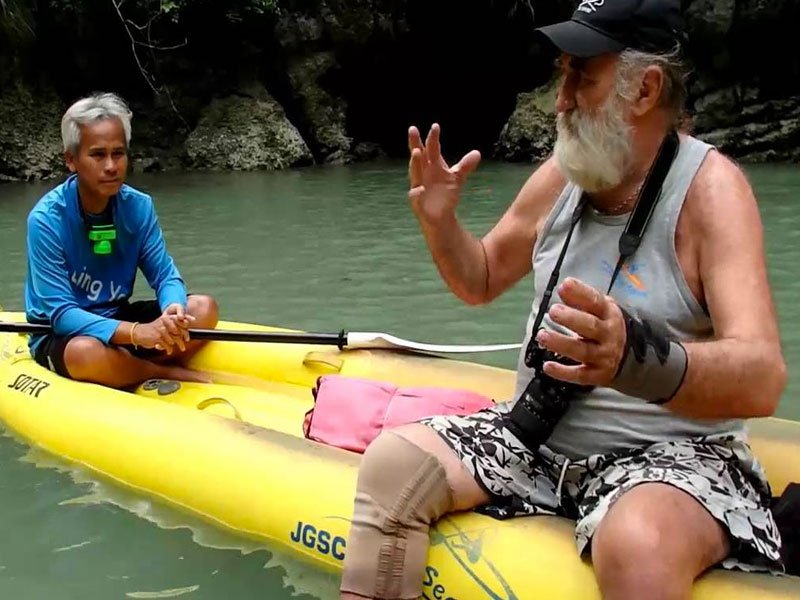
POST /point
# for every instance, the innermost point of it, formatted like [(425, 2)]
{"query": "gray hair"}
[(632, 64), (97, 107)]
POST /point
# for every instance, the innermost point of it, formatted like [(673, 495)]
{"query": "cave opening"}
[(458, 64)]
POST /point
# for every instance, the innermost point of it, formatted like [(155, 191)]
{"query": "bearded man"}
[(657, 360)]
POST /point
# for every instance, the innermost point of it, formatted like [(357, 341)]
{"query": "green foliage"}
[(235, 10)]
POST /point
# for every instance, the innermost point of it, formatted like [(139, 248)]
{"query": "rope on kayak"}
[(323, 360), (218, 400)]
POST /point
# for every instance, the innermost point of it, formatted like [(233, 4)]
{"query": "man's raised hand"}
[(435, 187)]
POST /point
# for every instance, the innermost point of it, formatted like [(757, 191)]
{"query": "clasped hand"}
[(167, 331)]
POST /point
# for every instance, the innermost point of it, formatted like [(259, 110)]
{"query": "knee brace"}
[(401, 490)]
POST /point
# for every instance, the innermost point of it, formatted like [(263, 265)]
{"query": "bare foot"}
[(184, 374)]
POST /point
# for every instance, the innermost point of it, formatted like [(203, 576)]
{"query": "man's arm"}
[(509, 245), (741, 373), (477, 271), (158, 267), (50, 289)]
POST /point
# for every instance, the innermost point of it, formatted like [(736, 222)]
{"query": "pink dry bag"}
[(349, 412)]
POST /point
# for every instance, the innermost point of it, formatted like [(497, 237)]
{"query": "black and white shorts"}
[(719, 471), (50, 351)]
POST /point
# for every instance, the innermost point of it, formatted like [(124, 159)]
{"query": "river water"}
[(319, 249)]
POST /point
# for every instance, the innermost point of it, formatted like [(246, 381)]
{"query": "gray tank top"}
[(650, 286)]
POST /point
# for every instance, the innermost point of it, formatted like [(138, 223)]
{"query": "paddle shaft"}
[(220, 335)]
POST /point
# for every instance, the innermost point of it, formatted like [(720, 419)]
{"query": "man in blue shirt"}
[(86, 240)]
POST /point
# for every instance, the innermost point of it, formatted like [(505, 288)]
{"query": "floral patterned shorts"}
[(719, 471)]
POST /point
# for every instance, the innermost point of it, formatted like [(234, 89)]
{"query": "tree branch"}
[(150, 46)]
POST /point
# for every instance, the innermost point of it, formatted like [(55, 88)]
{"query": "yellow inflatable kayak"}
[(234, 453)]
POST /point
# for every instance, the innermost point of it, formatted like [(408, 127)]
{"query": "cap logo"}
[(590, 6)]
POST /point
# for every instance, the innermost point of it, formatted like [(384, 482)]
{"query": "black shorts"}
[(50, 351)]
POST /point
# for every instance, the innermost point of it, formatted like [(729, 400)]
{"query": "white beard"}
[(594, 150)]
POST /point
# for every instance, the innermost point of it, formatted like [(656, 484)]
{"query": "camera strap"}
[(646, 202), (631, 236)]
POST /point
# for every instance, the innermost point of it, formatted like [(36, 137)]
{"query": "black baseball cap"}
[(601, 26)]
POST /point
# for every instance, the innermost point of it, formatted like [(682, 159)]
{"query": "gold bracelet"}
[(133, 339)]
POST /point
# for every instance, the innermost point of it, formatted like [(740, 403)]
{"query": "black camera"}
[(544, 401)]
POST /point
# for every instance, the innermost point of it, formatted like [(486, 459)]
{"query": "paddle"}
[(343, 340)]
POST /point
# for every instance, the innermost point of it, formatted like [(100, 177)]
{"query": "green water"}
[(317, 249)]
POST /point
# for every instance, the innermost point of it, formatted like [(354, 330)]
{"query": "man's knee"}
[(83, 356), (630, 560), (392, 465), (655, 537), (401, 490), (204, 309), (467, 493), (628, 539)]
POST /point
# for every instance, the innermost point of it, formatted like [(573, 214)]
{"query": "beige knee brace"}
[(401, 490)]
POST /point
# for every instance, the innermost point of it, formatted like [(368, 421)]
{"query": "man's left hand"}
[(182, 318), (599, 343)]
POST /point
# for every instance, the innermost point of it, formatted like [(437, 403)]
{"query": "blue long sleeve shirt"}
[(78, 291)]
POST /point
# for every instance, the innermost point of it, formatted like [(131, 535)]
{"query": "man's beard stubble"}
[(594, 150)]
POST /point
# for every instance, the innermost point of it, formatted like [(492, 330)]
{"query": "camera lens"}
[(543, 402)]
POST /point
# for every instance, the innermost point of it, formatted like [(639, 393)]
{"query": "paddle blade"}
[(376, 340)]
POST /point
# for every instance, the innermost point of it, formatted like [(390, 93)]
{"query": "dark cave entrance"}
[(460, 64)]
